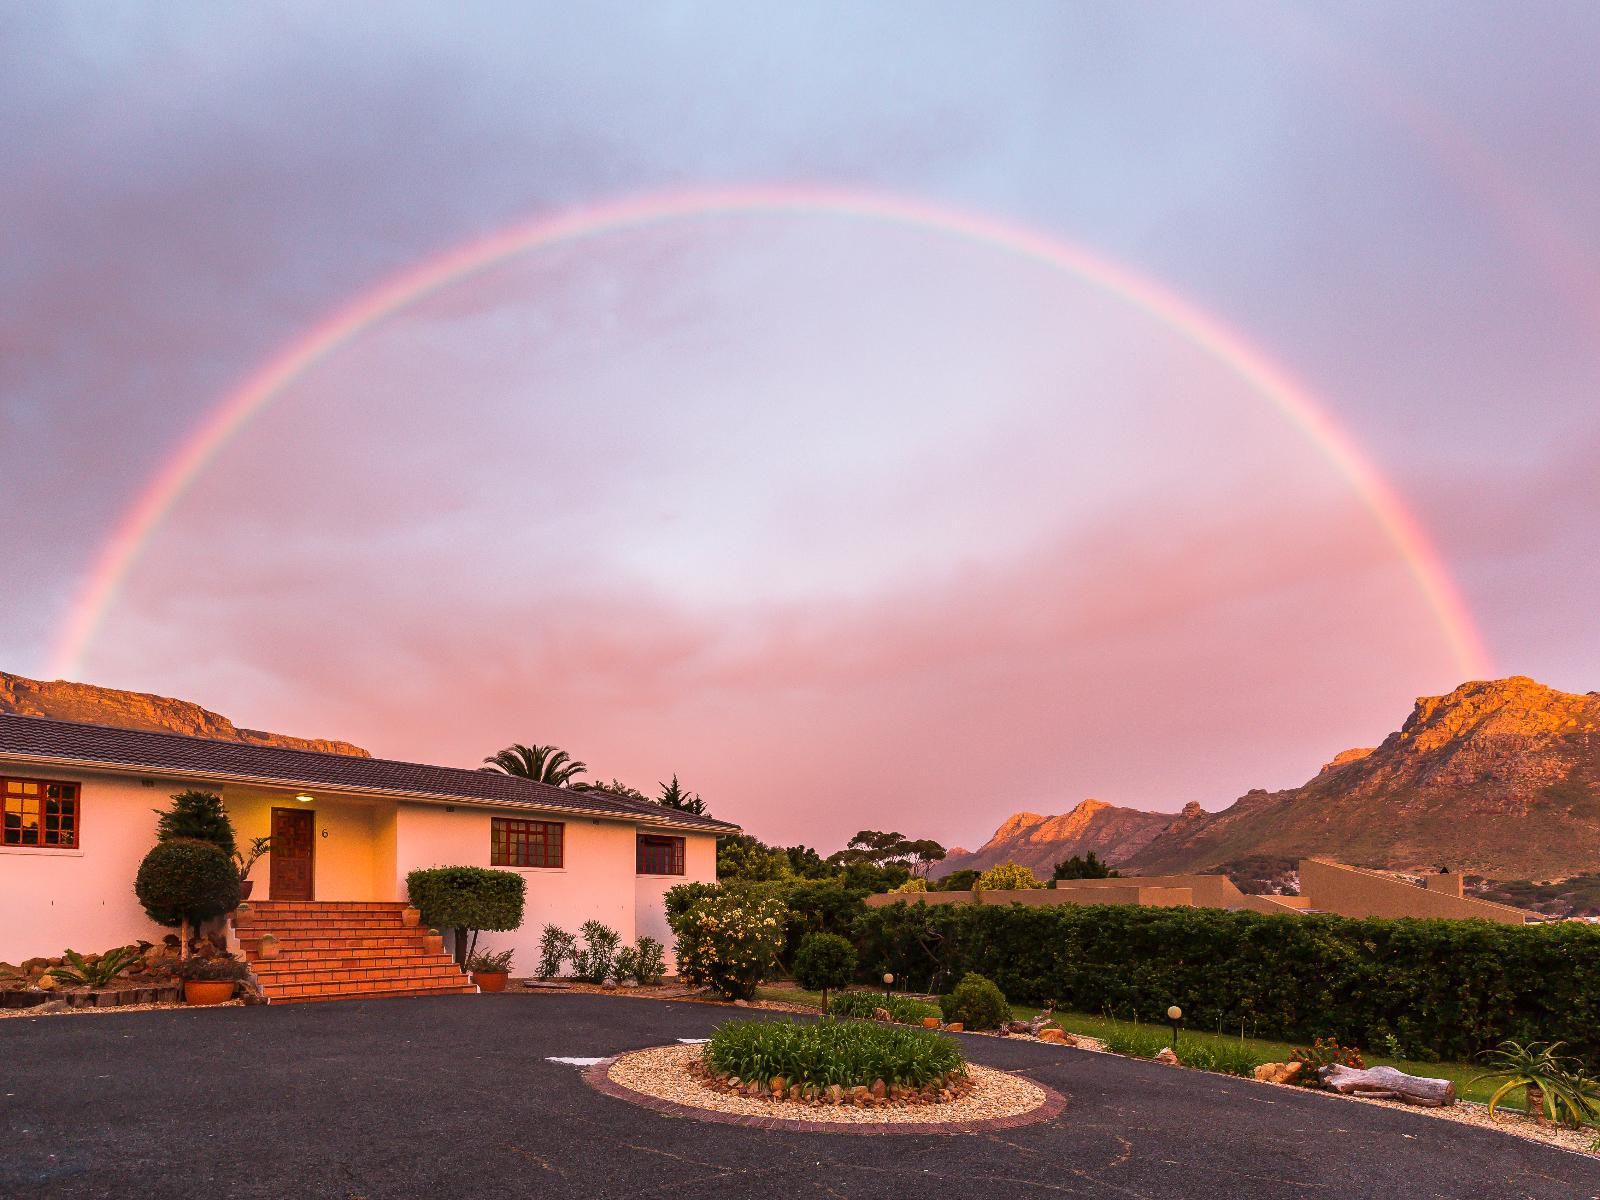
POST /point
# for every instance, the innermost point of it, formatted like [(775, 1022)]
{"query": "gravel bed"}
[(663, 1073), (118, 1008), (1469, 1112)]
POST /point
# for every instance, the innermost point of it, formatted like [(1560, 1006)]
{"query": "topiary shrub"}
[(825, 961), (183, 882), (468, 900), (1008, 877), (729, 941), (976, 1002), (200, 816)]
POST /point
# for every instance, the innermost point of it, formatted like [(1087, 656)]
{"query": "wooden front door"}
[(293, 852)]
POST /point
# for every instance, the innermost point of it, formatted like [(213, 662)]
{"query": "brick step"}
[(375, 970), (258, 927), (312, 908), (464, 990), (297, 938), (393, 982), (286, 960)]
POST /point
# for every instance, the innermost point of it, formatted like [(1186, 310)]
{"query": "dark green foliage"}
[(555, 947), (678, 900), (674, 797), (1078, 867), (213, 970), (976, 1002), (184, 879), (864, 877), (902, 1009), (741, 857), (847, 1053), (824, 963), (485, 963), (467, 899), (1445, 988), (200, 816), (594, 962), (956, 881), (547, 764), (806, 863)]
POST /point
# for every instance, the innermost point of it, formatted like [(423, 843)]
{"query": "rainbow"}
[(135, 527)]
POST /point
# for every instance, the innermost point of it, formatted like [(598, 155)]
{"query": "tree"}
[(200, 816), (467, 900), (184, 881), (1083, 868), (673, 796), (873, 847), (615, 788), (544, 764), (741, 856), (957, 881), (923, 854), (824, 961), (806, 863), (1008, 877)]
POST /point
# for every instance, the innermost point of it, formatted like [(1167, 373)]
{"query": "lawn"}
[(1146, 1040)]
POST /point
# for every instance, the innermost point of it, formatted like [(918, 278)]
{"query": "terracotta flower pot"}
[(204, 991), (412, 917), (246, 886), (433, 943), (491, 981), (270, 948)]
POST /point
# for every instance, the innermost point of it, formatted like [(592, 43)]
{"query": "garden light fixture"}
[(1175, 1015)]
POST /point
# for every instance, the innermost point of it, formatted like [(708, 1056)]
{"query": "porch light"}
[(305, 797)]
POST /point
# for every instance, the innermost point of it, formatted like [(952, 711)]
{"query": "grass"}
[(1207, 1051)]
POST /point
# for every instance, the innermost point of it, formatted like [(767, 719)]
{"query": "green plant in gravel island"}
[(779, 1055), (975, 1002), (728, 941), (78, 971)]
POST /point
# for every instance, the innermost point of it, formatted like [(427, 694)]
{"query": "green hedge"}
[(1445, 989), (467, 897)]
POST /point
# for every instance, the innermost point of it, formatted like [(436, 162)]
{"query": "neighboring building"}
[(78, 804), (1324, 887)]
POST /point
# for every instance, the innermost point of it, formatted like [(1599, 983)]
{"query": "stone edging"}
[(599, 1078)]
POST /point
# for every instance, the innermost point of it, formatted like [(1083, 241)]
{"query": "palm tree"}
[(545, 764)]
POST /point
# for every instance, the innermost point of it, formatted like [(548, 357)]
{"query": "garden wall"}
[(1437, 988)]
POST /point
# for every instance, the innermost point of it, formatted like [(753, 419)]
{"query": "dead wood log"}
[(1029, 1028), (1386, 1083)]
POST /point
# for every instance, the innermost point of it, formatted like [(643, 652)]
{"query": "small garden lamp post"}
[(888, 984), (1175, 1015)]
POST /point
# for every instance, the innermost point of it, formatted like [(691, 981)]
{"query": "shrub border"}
[(599, 1078)]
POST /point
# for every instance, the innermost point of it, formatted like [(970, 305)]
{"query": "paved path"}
[(453, 1096)]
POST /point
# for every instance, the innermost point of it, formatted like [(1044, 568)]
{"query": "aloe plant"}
[(1557, 1085), (78, 971)]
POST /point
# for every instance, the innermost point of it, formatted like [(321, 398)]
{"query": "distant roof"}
[(71, 743)]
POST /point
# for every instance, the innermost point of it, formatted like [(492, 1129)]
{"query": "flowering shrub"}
[(1008, 877), (728, 941), (1324, 1052), (915, 884)]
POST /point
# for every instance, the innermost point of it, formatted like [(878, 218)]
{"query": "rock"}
[(46, 983), (609, 985), (881, 1014), (778, 1084), (50, 1006), (755, 1091), (796, 1091), (954, 1027), (1277, 1072), (1168, 1056), (930, 1022), (879, 1089), (860, 1095), (30, 965), (630, 983), (835, 1094), (741, 1004), (1053, 1035)]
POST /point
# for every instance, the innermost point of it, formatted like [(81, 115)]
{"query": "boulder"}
[(954, 1027), (1168, 1056), (46, 982), (879, 1089), (1277, 1072), (1053, 1035), (881, 1014), (930, 1022)]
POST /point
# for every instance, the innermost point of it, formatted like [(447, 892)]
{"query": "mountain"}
[(1498, 778), (139, 710), (1040, 842)]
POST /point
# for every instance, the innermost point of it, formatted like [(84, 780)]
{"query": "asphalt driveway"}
[(454, 1095)]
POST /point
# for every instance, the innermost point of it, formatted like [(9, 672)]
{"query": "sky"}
[(849, 518)]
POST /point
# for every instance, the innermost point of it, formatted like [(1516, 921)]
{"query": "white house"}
[(77, 814)]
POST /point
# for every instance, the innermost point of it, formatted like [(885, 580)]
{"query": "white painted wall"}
[(51, 900), (699, 866)]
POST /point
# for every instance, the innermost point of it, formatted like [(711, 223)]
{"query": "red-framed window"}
[(39, 812), (516, 843), (660, 855)]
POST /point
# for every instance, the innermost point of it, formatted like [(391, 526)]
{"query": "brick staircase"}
[(344, 950)]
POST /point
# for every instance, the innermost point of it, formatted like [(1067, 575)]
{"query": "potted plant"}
[(433, 942), (490, 971), (270, 946), (245, 860), (185, 882), (411, 916), (210, 980)]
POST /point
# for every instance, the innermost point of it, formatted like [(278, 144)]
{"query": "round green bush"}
[(1008, 877), (976, 1002), (824, 962), (847, 1053), (186, 880)]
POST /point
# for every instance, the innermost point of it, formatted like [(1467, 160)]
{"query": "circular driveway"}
[(455, 1095)]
